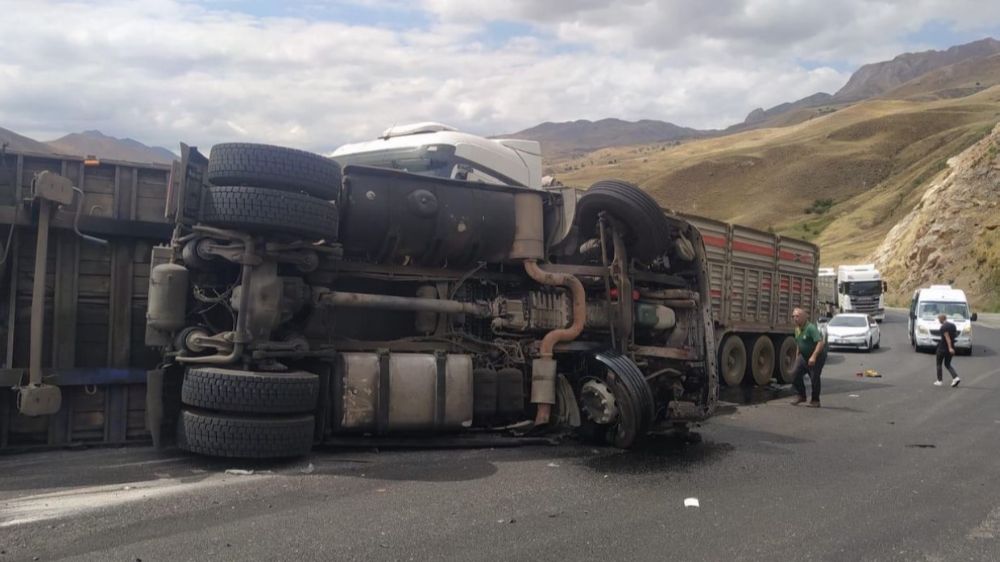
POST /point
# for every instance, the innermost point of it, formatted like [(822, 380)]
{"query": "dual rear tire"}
[(247, 414), (266, 189)]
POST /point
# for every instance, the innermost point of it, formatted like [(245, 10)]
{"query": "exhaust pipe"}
[(543, 369)]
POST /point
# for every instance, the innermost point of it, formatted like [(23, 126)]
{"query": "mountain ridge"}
[(95, 143), (563, 139)]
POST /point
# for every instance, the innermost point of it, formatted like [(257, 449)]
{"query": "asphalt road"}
[(890, 468)]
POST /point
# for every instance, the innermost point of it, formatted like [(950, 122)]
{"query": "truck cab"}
[(860, 289), (925, 306)]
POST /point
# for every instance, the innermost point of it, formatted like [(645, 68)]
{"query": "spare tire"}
[(256, 209), (274, 167), (220, 435), (233, 390), (649, 231)]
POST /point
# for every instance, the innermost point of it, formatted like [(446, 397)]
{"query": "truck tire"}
[(274, 167), (649, 231), (261, 210), (761, 365), (787, 354), (633, 397), (220, 435), (732, 360), (251, 392)]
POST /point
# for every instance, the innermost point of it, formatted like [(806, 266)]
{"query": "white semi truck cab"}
[(860, 289)]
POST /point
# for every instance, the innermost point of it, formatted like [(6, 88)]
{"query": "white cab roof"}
[(516, 159)]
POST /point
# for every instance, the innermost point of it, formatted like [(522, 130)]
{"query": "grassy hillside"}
[(857, 170)]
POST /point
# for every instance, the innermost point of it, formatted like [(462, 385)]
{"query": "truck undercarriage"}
[(299, 303)]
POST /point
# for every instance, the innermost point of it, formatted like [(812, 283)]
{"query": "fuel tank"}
[(402, 392)]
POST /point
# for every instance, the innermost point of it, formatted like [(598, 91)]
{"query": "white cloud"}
[(163, 71)]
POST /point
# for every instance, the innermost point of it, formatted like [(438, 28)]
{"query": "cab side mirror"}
[(885, 287), (974, 317)]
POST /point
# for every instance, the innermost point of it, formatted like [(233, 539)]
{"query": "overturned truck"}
[(305, 300)]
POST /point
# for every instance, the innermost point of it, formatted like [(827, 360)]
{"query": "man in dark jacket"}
[(810, 357), (946, 350)]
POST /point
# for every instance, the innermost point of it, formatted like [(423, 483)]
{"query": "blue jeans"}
[(801, 369)]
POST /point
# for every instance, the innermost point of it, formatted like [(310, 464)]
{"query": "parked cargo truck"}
[(424, 283), (756, 279)]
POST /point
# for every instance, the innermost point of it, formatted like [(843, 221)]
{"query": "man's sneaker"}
[(955, 382), (938, 383), (798, 400), (813, 404)]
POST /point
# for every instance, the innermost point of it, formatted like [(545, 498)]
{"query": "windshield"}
[(422, 160), (864, 288), (954, 310), (849, 322)]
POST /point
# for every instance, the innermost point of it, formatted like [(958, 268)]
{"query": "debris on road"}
[(871, 373), (239, 471), (691, 502)]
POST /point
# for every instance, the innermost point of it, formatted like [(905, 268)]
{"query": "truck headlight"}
[(967, 330), (922, 330)]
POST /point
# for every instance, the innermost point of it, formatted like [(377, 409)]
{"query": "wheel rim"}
[(762, 365), (787, 359), (733, 362)]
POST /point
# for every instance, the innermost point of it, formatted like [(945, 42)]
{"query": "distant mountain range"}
[(89, 143), (911, 73), (880, 78), (874, 79)]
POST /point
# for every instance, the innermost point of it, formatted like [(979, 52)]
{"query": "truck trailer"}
[(756, 279), (76, 236)]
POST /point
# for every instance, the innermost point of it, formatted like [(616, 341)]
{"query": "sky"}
[(318, 73)]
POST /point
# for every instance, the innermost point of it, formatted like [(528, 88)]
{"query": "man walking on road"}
[(810, 358), (946, 350)]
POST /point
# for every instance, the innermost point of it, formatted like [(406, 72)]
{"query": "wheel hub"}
[(599, 402)]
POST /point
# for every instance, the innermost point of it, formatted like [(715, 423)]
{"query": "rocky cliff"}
[(953, 234)]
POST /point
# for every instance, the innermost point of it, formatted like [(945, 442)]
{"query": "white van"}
[(923, 324)]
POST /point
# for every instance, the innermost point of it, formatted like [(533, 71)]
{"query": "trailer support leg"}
[(37, 399)]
